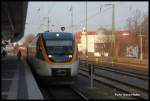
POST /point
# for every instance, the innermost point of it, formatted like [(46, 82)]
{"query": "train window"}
[(54, 36), (59, 43)]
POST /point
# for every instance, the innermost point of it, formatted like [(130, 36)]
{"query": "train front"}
[(61, 57)]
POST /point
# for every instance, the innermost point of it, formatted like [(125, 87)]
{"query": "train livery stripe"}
[(50, 62), (44, 51)]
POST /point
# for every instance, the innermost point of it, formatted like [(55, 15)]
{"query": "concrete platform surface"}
[(17, 80)]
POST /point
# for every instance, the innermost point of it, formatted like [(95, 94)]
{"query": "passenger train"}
[(54, 56)]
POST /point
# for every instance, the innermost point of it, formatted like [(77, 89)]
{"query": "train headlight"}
[(50, 56), (70, 56)]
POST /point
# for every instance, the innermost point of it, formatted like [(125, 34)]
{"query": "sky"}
[(60, 15)]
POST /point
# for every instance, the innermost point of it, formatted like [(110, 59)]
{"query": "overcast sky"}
[(60, 15)]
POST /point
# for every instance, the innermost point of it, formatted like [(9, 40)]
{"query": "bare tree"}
[(136, 22), (145, 32), (145, 25)]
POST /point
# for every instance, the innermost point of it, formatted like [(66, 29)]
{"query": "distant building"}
[(81, 40), (95, 41), (100, 43)]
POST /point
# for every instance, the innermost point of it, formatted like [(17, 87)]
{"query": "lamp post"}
[(141, 45), (47, 22), (38, 11), (71, 9), (86, 32), (114, 53), (141, 55)]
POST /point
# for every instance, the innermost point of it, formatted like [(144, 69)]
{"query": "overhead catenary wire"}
[(50, 10), (48, 13), (94, 15), (100, 10)]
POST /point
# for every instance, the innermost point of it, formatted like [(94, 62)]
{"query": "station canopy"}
[(13, 19)]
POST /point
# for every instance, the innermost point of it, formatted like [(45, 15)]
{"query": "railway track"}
[(59, 92), (123, 72), (134, 80), (142, 93), (141, 75), (131, 74), (142, 86), (138, 81)]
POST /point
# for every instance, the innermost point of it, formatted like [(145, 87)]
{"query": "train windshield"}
[(58, 43), (59, 47)]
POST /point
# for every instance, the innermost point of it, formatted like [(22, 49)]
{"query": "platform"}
[(17, 80)]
